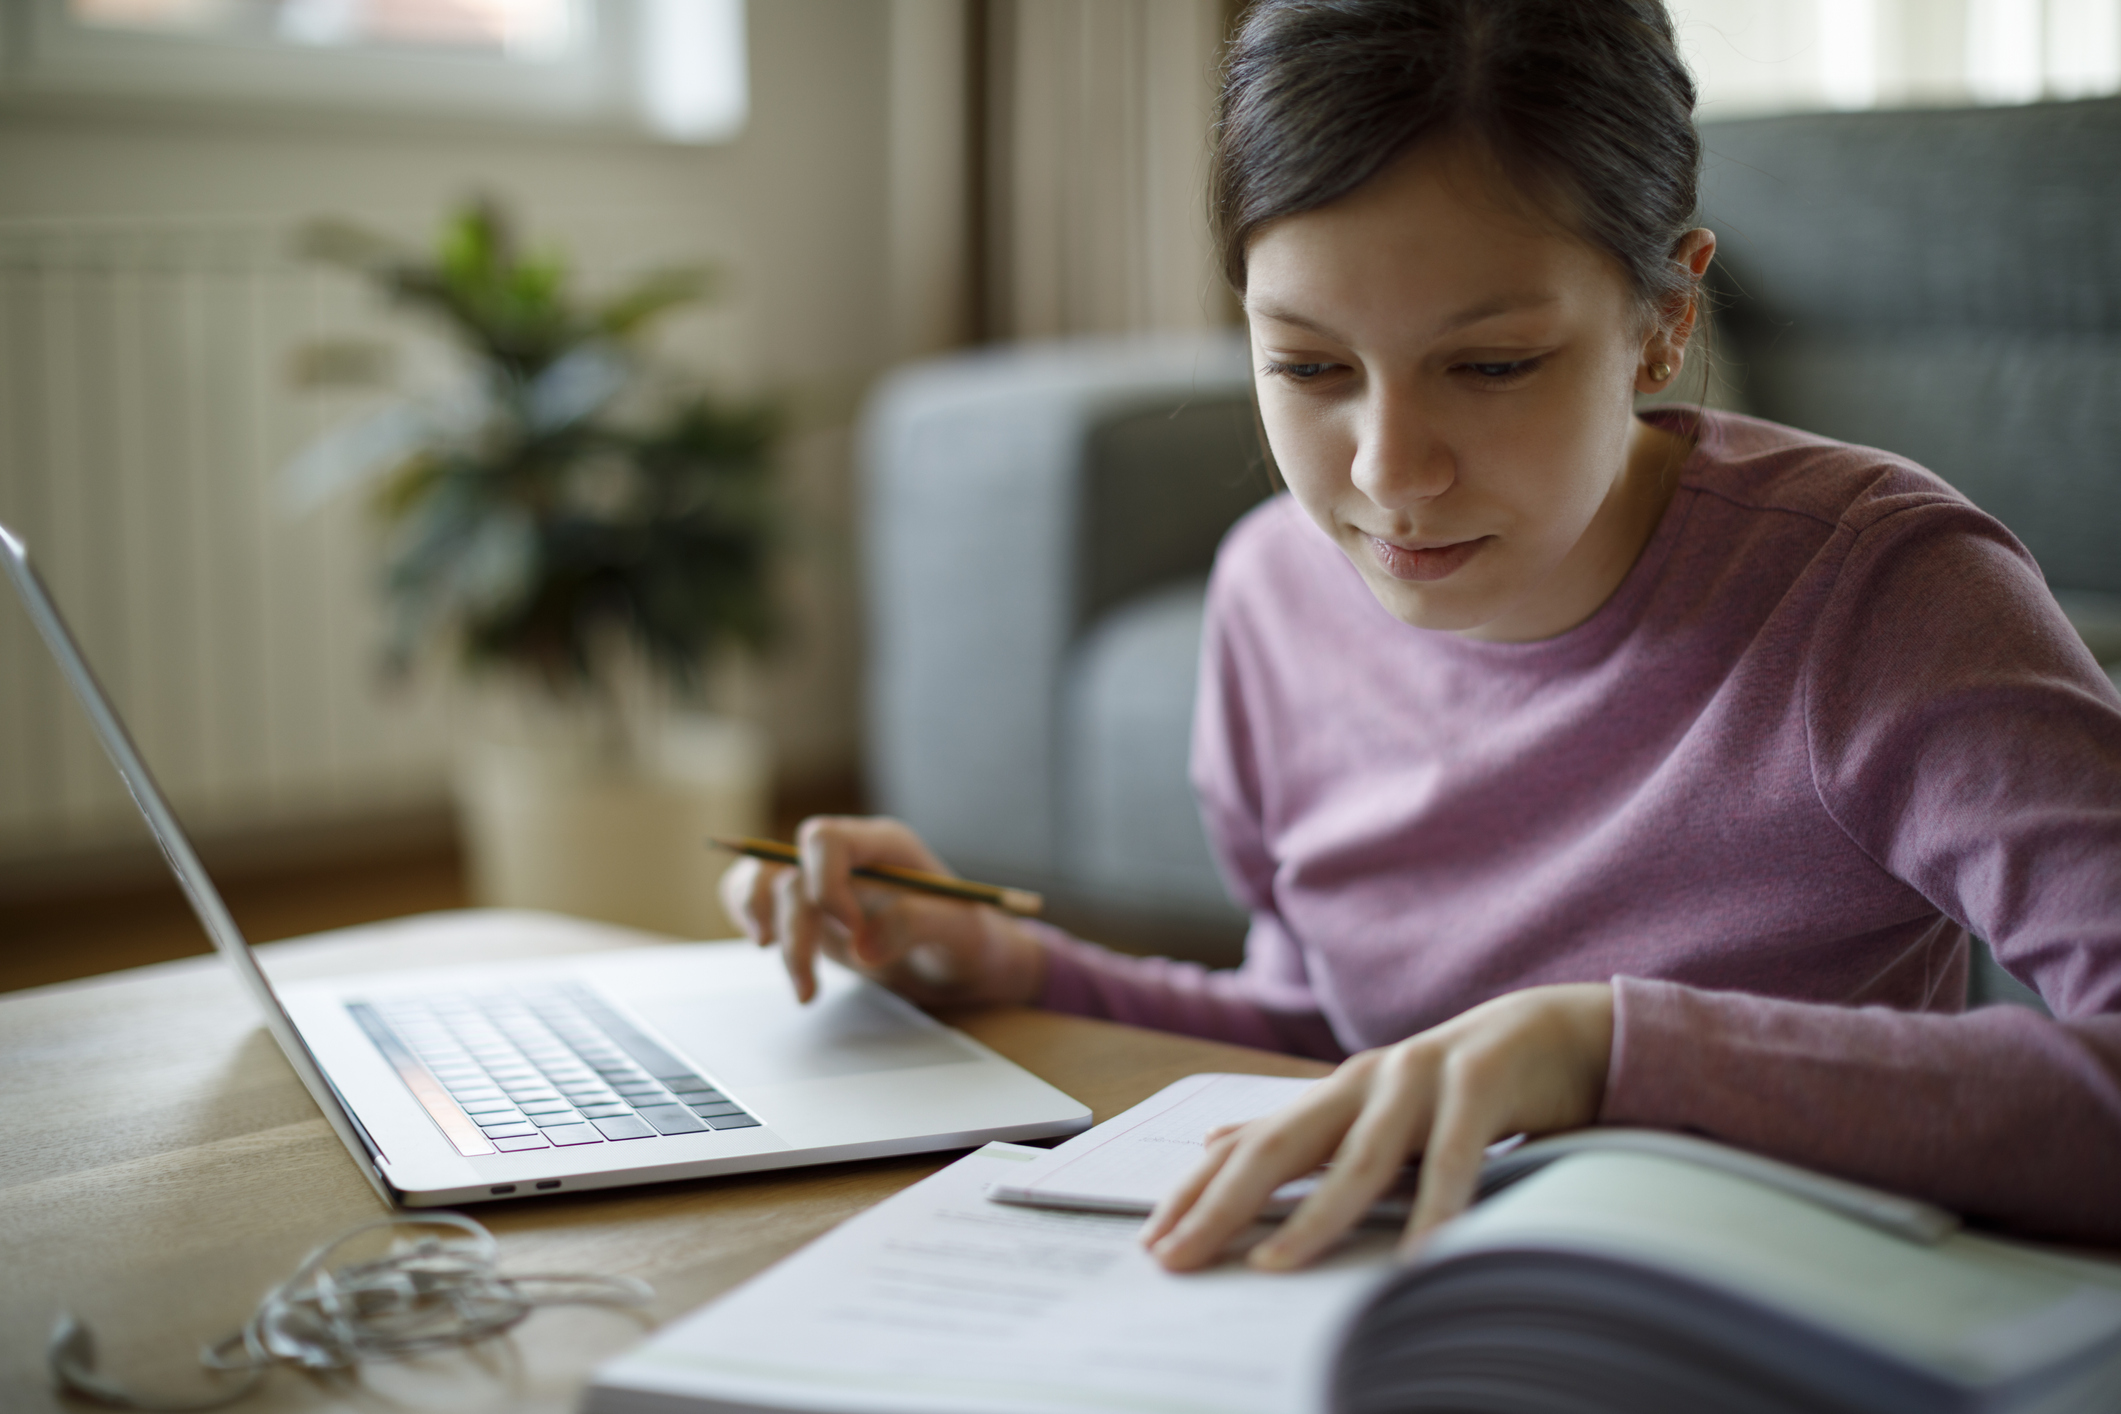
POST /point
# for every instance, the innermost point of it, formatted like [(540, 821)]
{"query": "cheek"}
[(1312, 449), (1570, 444)]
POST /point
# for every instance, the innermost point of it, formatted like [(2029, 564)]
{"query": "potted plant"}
[(592, 556)]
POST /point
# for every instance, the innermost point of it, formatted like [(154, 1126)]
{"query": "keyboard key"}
[(514, 1129), (672, 1119), (574, 1134), (735, 1121), (557, 1063)]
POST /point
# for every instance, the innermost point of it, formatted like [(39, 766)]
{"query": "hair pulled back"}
[(1584, 104)]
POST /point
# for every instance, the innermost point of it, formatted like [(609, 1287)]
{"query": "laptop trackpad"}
[(758, 1037)]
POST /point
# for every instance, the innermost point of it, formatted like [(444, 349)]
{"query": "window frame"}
[(600, 85)]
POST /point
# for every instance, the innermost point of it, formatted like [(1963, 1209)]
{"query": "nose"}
[(1401, 458)]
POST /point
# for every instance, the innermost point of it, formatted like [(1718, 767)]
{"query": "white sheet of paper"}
[(1127, 1164), (942, 1302)]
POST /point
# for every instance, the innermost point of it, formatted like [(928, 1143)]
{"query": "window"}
[(674, 69), (519, 28), (1759, 56)]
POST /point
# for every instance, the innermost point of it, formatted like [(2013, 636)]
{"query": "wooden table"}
[(161, 1167)]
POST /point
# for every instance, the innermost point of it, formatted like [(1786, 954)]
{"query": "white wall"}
[(793, 210)]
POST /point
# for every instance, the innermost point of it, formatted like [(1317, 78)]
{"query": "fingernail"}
[(1269, 1256)]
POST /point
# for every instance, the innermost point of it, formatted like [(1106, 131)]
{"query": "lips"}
[(1425, 564)]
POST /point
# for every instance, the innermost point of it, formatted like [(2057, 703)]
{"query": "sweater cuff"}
[(1653, 1034), (1067, 986)]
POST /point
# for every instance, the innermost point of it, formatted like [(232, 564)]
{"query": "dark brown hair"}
[(1584, 105)]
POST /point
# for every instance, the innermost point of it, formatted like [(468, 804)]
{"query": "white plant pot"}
[(551, 820)]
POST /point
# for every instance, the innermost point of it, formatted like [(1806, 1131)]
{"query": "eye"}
[(1297, 372), (1503, 371)]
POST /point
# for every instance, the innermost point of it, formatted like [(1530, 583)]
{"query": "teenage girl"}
[(1577, 765)]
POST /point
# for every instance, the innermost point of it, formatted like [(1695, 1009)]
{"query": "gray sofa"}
[(1945, 284), (1040, 519)]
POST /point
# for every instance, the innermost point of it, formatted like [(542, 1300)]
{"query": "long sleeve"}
[(1241, 1005), (1267, 1002), (1962, 738), (2000, 1114)]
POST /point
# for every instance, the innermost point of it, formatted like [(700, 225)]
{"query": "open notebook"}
[(1607, 1279)]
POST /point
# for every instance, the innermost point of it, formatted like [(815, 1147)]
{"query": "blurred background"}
[(872, 185)]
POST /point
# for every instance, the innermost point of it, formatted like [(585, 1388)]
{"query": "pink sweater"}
[(1830, 721)]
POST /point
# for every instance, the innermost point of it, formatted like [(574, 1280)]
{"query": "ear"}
[(1664, 351)]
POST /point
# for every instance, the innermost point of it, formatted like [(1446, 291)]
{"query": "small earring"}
[(1659, 372)]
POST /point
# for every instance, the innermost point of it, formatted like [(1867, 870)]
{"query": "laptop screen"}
[(162, 822)]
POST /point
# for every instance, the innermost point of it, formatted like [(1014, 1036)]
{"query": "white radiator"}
[(147, 402)]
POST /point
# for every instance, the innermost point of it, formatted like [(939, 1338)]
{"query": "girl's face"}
[(1447, 386)]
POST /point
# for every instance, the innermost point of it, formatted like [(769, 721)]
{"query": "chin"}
[(1437, 608)]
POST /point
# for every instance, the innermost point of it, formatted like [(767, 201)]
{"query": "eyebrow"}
[(1474, 314)]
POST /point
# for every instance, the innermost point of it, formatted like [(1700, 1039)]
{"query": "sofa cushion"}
[(1132, 833), (1942, 285)]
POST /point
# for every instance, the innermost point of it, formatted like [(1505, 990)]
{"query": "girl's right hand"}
[(933, 951)]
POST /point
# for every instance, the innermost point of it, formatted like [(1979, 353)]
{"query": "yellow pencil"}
[(1021, 901)]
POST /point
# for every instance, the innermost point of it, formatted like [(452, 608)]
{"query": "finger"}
[(825, 844), (1269, 1154), (1222, 1131), (797, 923), (831, 847), (763, 905), (1395, 1115), (1458, 1141), (1175, 1204), (747, 897)]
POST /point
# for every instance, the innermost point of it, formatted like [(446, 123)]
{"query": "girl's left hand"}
[(1527, 1062)]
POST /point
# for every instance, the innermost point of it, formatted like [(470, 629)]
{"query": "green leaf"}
[(655, 295)]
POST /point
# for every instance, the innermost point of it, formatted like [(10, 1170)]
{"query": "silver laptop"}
[(460, 1085)]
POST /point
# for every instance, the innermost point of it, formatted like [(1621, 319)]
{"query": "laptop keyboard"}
[(555, 1068)]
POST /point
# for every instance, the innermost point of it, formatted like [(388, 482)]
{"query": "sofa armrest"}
[(988, 540)]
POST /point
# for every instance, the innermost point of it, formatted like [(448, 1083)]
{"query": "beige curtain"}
[(1049, 168), (1098, 121)]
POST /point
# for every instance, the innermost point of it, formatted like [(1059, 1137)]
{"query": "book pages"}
[(1976, 1310), (941, 1302)]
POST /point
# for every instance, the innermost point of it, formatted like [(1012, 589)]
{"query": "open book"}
[(1606, 1279), (1127, 1164)]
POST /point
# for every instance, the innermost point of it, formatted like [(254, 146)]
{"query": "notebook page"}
[(1128, 1163), (939, 1301)]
